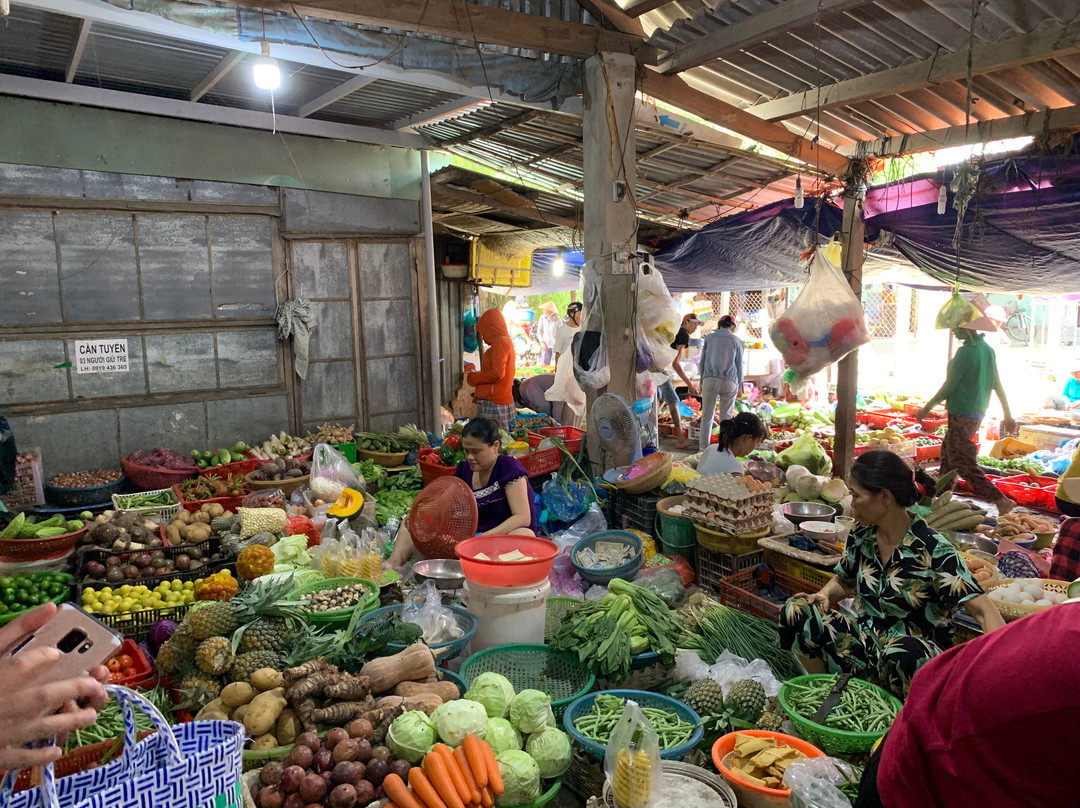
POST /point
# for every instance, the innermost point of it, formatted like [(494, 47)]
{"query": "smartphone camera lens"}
[(72, 640)]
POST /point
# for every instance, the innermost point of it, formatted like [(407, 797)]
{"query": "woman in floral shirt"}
[(906, 581)]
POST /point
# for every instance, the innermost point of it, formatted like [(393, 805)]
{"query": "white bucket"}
[(507, 614)]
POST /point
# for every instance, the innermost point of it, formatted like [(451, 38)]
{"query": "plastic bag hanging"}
[(824, 324), (956, 311), (632, 762), (590, 350)]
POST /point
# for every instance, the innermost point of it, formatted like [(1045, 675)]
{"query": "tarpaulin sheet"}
[(543, 279), (758, 249)]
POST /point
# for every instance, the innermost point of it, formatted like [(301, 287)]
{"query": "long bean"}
[(598, 724), (110, 721), (863, 708)]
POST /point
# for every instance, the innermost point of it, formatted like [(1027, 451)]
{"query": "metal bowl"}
[(765, 472), (446, 573), (799, 512)]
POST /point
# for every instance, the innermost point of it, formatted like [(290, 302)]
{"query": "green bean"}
[(598, 725), (863, 708)]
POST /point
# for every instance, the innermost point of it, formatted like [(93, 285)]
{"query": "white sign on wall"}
[(101, 356)]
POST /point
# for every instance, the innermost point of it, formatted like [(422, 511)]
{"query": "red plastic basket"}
[(77, 760), (430, 472), (144, 671), (493, 572), (571, 436), (1021, 492), (245, 466), (737, 591), (148, 478), (192, 506), (14, 551), (883, 418), (928, 452), (543, 462)]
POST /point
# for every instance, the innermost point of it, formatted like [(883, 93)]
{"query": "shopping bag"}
[(192, 765), (824, 324)]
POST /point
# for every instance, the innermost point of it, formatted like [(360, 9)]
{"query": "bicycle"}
[(1018, 324)]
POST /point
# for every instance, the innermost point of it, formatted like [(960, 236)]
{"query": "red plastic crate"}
[(928, 452), (193, 506), (245, 466), (1034, 497), (737, 591), (880, 419), (430, 472), (144, 671), (571, 436), (540, 463)]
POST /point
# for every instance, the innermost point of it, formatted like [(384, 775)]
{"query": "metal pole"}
[(433, 308)]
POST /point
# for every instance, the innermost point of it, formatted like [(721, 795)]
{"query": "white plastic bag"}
[(824, 324), (730, 669), (632, 760), (565, 388), (592, 521), (590, 349), (656, 308), (813, 783), (425, 609), (331, 473)]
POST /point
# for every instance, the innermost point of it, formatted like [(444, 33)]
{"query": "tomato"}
[(126, 661), (114, 665), (115, 678)]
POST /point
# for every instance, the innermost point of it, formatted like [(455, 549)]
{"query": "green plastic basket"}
[(257, 758), (62, 577), (553, 787), (557, 607), (348, 451), (829, 740), (536, 667), (338, 615)]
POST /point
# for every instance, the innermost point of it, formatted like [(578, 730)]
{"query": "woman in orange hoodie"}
[(494, 382)]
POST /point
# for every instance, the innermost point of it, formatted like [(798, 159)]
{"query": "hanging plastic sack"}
[(824, 324), (589, 348), (956, 311), (425, 609), (331, 473), (662, 352), (632, 761), (643, 356), (655, 307), (565, 388)]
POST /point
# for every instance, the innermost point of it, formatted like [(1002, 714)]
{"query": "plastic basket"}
[(546, 461), (716, 542), (798, 569), (26, 489), (712, 568), (535, 667), (58, 599), (137, 625), (829, 740), (584, 705), (164, 512), (444, 651), (82, 497), (1017, 489), (348, 451), (571, 436), (390, 460), (737, 591), (207, 547), (144, 671), (285, 486), (245, 466), (337, 615), (883, 418), (257, 758), (193, 506), (625, 570), (148, 478), (634, 512), (430, 472), (557, 608), (80, 759), (13, 551), (928, 452)]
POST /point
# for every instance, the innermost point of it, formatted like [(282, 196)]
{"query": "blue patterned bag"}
[(193, 765)]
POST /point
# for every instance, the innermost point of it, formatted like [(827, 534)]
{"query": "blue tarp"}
[(544, 281)]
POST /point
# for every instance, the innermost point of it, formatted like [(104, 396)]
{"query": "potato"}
[(201, 517), (264, 742), (264, 711), (214, 509), (216, 706), (227, 515), (288, 727), (236, 694), (212, 716), (267, 679), (172, 533), (182, 516), (239, 713)]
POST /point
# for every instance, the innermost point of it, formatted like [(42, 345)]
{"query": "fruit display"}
[(122, 667), (334, 434), (120, 532), (219, 586), (130, 598), (254, 562), (880, 438), (281, 469), (21, 592), (282, 446), (162, 459), (85, 479), (221, 457), (202, 488), (29, 527), (118, 568)]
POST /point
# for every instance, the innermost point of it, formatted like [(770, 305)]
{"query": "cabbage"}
[(521, 779), (411, 736), (494, 691), (794, 473), (805, 451), (809, 487), (530, 711), (551, 750), (502, 736), (456, 719), (834, 491)]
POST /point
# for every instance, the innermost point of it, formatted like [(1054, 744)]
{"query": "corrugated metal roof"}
[(299, 84), (36, 44), (383, 102)]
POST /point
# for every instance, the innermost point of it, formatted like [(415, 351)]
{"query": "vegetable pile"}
[(122, 532), (203, 488), (950, 514), (85, 479), (28, 527), (762, 761), (342, 597), (212, 459), (863, 707), (281, 469), (598, 724), (282, 446), (163, 459), (119, 568), (334, 434), (385, 442)]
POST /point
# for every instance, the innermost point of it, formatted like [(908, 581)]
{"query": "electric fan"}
[(443, 514), (613, 422)]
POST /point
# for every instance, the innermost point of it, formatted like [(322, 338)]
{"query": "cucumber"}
[(225, 456), (14, 527)]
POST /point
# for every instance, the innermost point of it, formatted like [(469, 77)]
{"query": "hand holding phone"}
[(38, 679)]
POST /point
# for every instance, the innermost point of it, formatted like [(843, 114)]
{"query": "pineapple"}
[(705, 697), (746, 700), (247, 664), (170, 657), (214, 656), (772, 722), (265, 634), (632, 784), (198, 689), (183, 640), (216, 619)]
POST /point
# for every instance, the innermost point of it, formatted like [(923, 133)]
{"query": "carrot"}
[(463, 761), (456, 775), (475, 754), (423, 788), (435, 769), (397, 791), (494, 778), (487, 799)]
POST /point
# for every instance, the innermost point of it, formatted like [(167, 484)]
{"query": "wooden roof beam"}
[(639, 7), (216, 74), (1046, 43), (77, 51), (755, 29), (334, 94)]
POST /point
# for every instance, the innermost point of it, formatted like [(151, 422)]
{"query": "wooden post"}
[(610, 214), (847, 378)]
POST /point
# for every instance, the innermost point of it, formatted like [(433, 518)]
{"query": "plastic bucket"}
[(677, 534), (507, 614)]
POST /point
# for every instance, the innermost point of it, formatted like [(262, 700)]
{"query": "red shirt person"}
[(991, 723)]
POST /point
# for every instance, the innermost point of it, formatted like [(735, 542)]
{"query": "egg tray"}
[(764, 498), (734, 510), (736, 527)]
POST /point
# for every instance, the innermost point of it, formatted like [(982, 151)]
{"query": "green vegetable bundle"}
[(606, 633), (390, 503)]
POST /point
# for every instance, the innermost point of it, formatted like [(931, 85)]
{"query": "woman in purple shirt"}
[(504, 500)]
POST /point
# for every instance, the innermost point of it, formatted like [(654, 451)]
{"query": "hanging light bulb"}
[(942, 199), (265, 70), (798, 194), (558, 266)]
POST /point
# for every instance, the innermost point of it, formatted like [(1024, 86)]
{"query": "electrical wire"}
[(406, 41)]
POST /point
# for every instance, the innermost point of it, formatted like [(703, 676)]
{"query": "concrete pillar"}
[(847, 379), (610, 213)]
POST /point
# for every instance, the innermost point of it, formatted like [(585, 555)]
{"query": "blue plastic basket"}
[(626, 570), (443, 651), (595, 750)]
